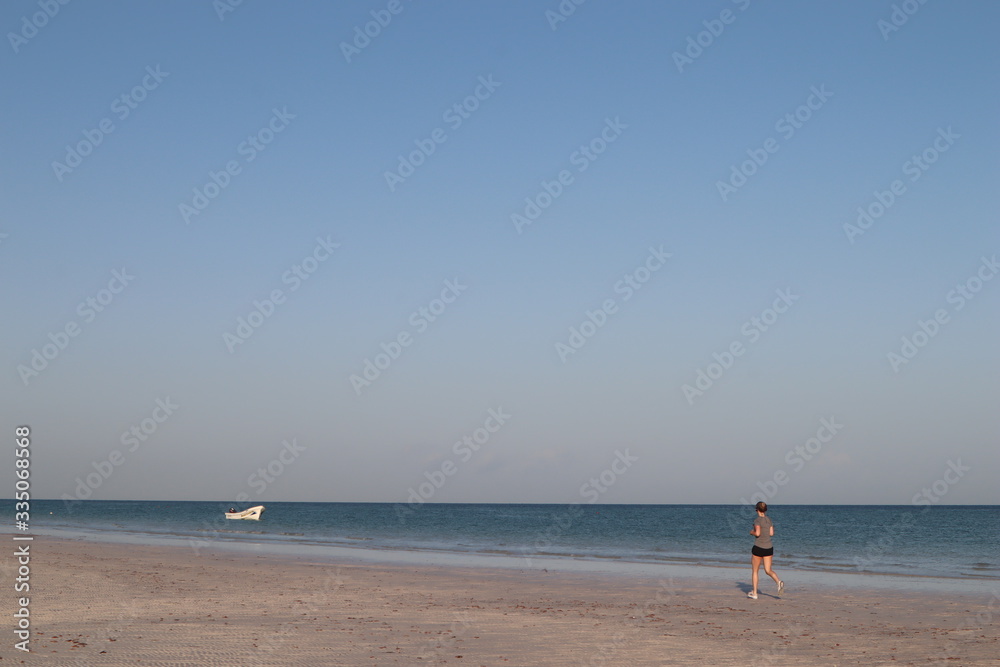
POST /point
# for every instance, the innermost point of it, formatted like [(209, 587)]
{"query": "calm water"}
[(944, 541)]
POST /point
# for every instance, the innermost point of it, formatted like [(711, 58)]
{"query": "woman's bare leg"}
[(755, 565), (768, 571)]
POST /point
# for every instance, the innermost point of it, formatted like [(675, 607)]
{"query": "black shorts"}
[(760, 551)]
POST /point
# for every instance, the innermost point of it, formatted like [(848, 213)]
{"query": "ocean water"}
[(955, 542)]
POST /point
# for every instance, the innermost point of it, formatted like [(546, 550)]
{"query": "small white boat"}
[(253, 513)]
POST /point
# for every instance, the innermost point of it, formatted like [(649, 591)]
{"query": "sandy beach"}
[(112, 604)]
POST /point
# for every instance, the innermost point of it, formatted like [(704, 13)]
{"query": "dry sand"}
[(112, 604)]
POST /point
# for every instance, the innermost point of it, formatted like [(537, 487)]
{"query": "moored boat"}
[(252, 514)]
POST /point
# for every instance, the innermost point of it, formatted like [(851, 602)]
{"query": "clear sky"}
[(546, 233)]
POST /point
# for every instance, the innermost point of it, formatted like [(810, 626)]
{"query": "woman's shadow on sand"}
[(746, 587)]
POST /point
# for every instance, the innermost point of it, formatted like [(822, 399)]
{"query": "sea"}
[(901, 543)]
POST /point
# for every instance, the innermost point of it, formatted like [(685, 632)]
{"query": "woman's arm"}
[(772, 531), (755, 531)]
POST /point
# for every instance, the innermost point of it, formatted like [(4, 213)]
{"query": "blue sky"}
[(205, 90)]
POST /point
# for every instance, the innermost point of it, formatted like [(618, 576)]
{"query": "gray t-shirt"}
[(764, 541)]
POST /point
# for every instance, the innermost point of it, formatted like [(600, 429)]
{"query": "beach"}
[(95, 603)]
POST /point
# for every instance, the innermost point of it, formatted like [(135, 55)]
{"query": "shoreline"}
[(536, 562), (108, 603)]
